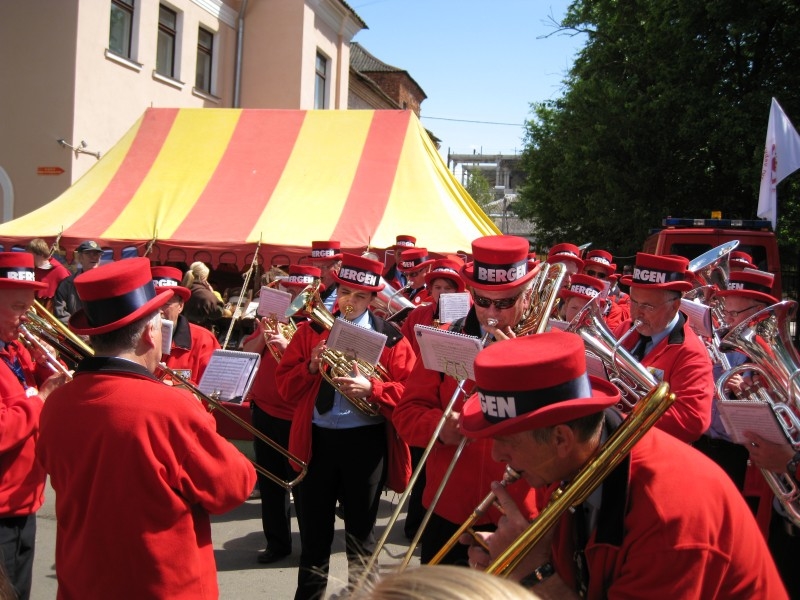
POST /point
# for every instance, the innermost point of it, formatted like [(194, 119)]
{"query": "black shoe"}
[(269, 556)]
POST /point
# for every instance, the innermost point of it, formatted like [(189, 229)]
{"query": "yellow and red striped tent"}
[(208, 184)]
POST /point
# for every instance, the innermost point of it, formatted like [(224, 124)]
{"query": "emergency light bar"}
[(718, 223)]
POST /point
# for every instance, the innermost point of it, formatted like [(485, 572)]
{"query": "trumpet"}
[(214, 404), (336, 363), (643, 416)]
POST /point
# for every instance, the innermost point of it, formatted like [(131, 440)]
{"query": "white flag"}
[(781, 157)]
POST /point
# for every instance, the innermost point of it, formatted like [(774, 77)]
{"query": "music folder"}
[(447, 351), (229, 375)]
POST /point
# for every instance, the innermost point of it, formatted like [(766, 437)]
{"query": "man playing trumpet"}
[(666, 523)]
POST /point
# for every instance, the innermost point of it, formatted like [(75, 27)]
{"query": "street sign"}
[(49, 170)]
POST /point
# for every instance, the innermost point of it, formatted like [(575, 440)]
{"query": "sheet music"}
[(595, 366), (229, 374), (274, 302), (739, 416), (356, 342), (448, 352), (166, 336), (453, 306), (553, 324), (699, 316)]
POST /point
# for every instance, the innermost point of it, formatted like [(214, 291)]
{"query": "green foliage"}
[(480, 190), (665, 113)]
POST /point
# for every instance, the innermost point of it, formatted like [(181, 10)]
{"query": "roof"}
[(209, 184), (364, 62)]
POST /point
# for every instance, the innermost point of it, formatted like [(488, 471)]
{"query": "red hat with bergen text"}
[(405, 242), (16, 271), (115, 295), (446, 268), (659, 273), (413, 259), (360, 273), (741, 260), (532, 382), (565, 252), (499, 262), (749, 283), (583, 286), (169, 278), (327, 250), (600, 259), (301, 276)]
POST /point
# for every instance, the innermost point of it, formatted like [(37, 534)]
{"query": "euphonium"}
[(336, 363), (765, 338), (544, 293), (285, 329), (391, 304), (624, 371)]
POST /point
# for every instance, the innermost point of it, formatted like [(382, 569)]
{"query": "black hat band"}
[(747, 286), (492, 273), (17, 273), (656, 276), (110, 310), (410, 264)]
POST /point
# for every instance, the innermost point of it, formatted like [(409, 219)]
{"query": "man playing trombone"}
[(665, 523), (499, 279)]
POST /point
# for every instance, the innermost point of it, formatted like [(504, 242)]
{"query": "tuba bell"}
[(544, 292), (335, 362), (391, 304)]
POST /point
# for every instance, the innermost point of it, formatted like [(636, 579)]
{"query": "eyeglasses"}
[(736, 313), (412, 274), (500, 304), (598, 274), (649, 308)]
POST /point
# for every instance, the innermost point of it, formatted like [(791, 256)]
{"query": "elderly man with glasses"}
[(666, 344), (499, 279)]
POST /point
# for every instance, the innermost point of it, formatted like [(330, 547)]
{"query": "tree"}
[(665, 113), (480, 190)]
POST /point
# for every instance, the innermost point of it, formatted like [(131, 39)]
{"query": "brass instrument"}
[(45, 326), (34, 343), (643, 416), (510, 476), (287, 330), (237, 311), (391, 304), (215, 404), (544, 292), (624, 371), (336, 363), (766, 339)]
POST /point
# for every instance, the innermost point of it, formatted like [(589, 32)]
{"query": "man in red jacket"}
[(499, 280), (350, 453), (666, 344), (21, 478), (666, 523), (191, 346), (137, 466)]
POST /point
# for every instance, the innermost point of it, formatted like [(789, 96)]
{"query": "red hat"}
[(500, 262), (16, 271), (659, 273), (750, 284), (115, 295), (742, 260), (328, 250), (568, 252), (301, 276), (360, 273), (405, 241), (413, 260), (169, 278), (510, 400), (583, 286), (600, 259), (446, 268)]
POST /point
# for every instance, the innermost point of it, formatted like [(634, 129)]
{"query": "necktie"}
[(324, 397), (639, 350)]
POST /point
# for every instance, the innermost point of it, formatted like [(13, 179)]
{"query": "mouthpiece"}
[(491, 322)]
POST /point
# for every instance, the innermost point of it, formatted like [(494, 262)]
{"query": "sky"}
[(476, 60)]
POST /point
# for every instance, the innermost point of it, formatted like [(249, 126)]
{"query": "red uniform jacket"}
[(297, 384), (426, 396), (52, 277), (192, 347), (422, 315), (21, 477), (681, 360), (264, 391), (137, 466), (671, 526)]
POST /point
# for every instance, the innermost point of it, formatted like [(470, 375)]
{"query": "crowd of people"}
[(674, 519)]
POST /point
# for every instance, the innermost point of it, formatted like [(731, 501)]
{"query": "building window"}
[(205, 52), (167, 32), (120, 32), (321, 82)]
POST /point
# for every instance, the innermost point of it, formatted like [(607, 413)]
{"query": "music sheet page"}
[(274, 302), (739, 416), (453, 306), (229, 374), (356, 342), (451, 353)]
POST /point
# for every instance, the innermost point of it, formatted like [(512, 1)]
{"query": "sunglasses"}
[(501, 304), (598, 274)]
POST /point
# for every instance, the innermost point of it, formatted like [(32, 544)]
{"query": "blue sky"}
[(477, 60)]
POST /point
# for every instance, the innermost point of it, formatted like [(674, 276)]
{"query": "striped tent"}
[(209, 184)]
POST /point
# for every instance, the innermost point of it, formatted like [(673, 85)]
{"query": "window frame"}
[(128, 7), (321, 81), (171, 34), (208, 54)]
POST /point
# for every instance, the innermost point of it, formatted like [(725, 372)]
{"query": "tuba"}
[(544, 293), (713, 267), (766, 339), (624, 371), (335, 362), (391, 304)]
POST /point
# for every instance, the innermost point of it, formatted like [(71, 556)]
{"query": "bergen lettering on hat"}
[(651, 275), (499, 405), (583, 290), (360, 276), (17, 273), (489, 273), (299, 279)]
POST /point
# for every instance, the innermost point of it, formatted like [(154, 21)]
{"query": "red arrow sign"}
[(49, 170)]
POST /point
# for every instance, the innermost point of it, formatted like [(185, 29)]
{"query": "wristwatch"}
[(791, 466), (538, 575)]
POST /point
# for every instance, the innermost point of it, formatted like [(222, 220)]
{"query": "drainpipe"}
[(237, 77)]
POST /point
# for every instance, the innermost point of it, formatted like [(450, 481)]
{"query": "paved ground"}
[(237, 539)]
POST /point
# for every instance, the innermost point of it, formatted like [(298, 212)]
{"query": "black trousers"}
[(275, 518), (415, 512), (436, 535), (17, 540), (784, 544), (349, 464)]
